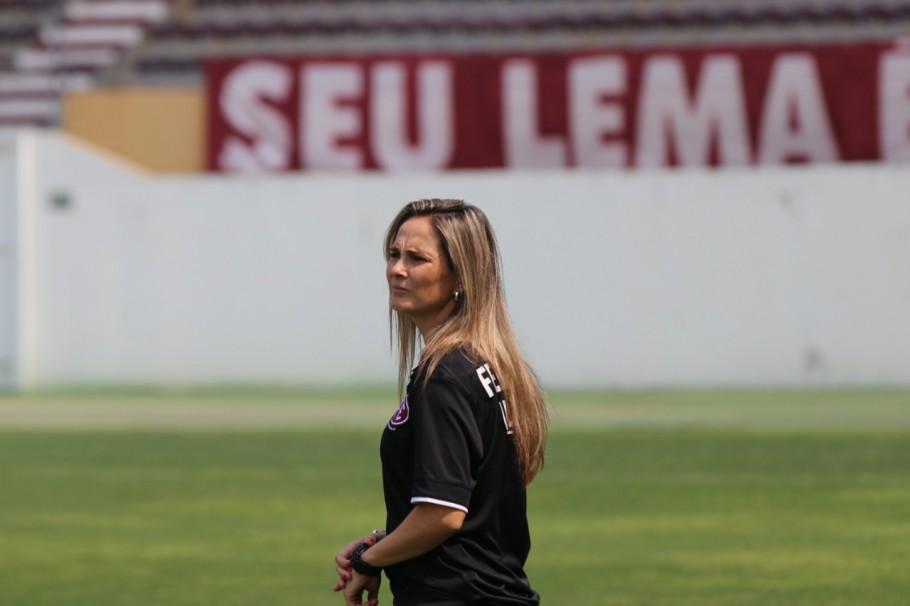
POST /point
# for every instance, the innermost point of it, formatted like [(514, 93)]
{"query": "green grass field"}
[(767, 498)]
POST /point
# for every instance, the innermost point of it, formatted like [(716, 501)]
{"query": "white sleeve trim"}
[(439, 502)]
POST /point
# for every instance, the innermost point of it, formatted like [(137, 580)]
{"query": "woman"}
[(469, 434)]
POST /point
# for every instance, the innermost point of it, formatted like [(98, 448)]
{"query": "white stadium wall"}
[(9, 340), (784, 276)]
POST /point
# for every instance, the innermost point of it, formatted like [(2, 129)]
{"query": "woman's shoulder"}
[(457, 366), (460, 360)]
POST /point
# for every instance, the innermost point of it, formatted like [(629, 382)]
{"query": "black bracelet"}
[(362, 567)]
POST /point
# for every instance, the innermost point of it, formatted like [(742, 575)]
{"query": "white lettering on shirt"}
[(505, 417), (488, 380)]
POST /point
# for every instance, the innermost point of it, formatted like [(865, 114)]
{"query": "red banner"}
[(636, 109)]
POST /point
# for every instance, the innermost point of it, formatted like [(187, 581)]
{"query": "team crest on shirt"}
[(401, 415)]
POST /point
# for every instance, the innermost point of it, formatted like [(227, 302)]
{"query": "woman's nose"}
[(397, 268)]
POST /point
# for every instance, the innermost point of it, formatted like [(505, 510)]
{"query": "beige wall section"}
[(162, 129)]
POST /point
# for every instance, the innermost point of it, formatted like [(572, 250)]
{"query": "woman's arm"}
[(425, 527)]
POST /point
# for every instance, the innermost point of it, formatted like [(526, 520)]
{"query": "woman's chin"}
[(398, 305)]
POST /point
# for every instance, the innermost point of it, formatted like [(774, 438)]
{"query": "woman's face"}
[(421, 284)]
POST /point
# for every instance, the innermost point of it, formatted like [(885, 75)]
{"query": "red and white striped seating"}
[(72, 41)]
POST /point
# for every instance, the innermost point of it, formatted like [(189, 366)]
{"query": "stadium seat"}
[(48, 47), (175, 45)]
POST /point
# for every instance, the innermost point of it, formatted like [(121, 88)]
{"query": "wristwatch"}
[(362, 567)]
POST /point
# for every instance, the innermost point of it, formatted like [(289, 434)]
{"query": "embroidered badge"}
[(401, 415)]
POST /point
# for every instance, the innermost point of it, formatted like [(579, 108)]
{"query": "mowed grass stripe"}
[(619, 517), (217, 410)]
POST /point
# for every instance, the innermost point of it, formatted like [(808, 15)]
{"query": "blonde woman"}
[(469, 435)]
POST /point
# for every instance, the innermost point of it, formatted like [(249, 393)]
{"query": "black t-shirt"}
[(449, 443)]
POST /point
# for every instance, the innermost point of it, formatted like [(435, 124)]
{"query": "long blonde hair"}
[(479, 324)]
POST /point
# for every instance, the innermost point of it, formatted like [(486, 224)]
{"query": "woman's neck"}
[(429, 324)]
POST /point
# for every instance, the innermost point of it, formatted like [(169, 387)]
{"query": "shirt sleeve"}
[(447, 446)]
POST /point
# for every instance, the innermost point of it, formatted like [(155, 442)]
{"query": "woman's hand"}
[(343, 561), (353, 591)]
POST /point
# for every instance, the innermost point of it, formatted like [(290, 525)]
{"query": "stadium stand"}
[(209, 28), (49, 46)]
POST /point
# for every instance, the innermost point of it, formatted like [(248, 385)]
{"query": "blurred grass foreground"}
[(234, 497)]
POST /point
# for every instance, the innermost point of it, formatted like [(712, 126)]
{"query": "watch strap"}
[(362, 567)]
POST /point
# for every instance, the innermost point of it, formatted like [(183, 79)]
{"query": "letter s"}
[(241, 102)]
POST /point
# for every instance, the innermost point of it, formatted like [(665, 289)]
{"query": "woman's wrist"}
[(371, 539), (360, 565)]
